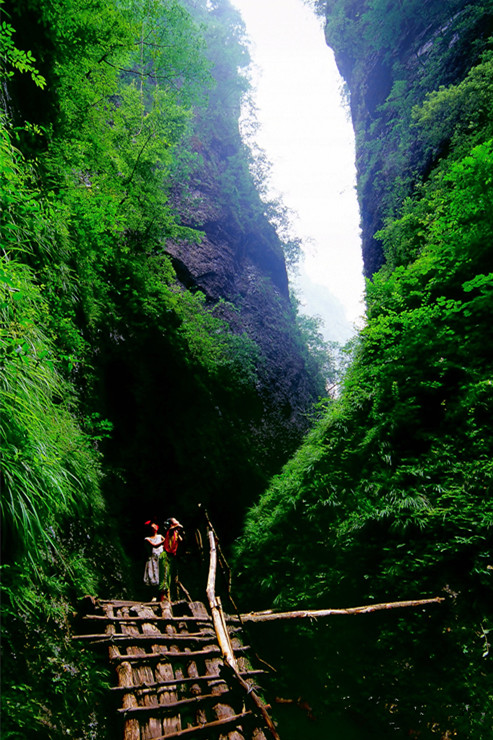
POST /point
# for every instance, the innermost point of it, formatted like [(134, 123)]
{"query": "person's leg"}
[(165, 577)]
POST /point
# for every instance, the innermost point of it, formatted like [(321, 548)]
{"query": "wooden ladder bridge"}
[(183, 671), (172, 677)]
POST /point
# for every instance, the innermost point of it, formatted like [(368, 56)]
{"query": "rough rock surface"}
[(240, 259), (433, 47)]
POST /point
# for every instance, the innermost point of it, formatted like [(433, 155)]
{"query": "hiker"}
[(173, 537), (154, 571)]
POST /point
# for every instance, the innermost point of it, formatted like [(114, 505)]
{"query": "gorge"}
[(152, 358)]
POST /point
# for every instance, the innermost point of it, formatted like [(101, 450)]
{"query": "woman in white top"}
[(153, 575)]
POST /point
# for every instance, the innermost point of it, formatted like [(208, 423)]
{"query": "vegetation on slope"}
[(392, 55), (52, 509), (390, 497), (96, 137)]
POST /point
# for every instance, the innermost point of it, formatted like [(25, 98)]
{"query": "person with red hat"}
[(162, 551), (174, 535)]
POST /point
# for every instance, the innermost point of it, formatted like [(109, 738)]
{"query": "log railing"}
[(183, 671)]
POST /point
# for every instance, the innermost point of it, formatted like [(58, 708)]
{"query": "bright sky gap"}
[(306, 132)]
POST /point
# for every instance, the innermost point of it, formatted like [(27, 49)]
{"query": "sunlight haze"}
[(306, 132)]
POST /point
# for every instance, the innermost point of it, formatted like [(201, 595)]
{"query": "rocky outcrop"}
[(390, 61), (240, 260)]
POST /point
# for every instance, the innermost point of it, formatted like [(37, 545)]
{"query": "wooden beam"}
[(155, 618), (157, 638), (159, 708), (207, 727), (270, 616), (127, 602), (156, 685), (182, 655), (225, 642)]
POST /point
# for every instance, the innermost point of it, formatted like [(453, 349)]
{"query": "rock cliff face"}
[(240, 260), (192, 435), (234, 244), (391, 58), (191, 440)]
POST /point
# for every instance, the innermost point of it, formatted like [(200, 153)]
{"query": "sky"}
[(306, 133)]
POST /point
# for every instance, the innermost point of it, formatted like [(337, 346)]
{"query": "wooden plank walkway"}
[(171, 675), (183, 671)]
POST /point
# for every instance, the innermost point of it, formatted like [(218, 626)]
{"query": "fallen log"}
[(270, 615), (208, 726)]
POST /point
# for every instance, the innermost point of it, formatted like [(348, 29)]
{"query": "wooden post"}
[(224, 640), (216, 611), (125, 679)]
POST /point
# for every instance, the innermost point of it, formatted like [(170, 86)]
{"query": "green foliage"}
[(417, 50), (231, 165), (319, 6), (390, 495), (14, 59), (206, 336), (50, 479), (48, 470), (385, 23), (57, 690), (460, 114), (124, 97), (282, 217), (322, 355), (356, 28)]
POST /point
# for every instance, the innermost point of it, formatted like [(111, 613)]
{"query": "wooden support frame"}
[(218, 723), (160, 661), (225, 642)]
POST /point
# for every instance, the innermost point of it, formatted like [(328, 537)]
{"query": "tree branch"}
[(271, 616)]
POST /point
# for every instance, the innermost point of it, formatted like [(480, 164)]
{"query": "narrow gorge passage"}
[(153, 358), (304, 128)]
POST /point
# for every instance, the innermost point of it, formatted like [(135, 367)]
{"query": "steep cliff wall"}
[(391, 493), (391, 56), (240, 258)]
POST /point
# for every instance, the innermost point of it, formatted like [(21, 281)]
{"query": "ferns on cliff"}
[(86, 212)]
